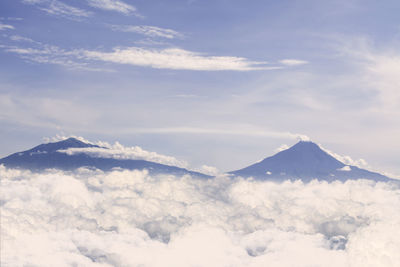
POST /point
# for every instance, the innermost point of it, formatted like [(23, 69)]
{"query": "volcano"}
[(305, 161)]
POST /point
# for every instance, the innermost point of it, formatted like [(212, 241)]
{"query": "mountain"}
[(46, 156), (306, 161)]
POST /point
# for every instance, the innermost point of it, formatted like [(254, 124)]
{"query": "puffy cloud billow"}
[(129, 218)]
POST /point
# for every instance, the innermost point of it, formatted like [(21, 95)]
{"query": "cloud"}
[(170, 58), (58, 8), (49, 54), (293, 62), (151, 31), (378, 70), (361, 163), (124, 218), (18, 38), (209, 170), (174, 58), (113, 5), (345, 168), (6, 27), (282, 147), (239, 130), (118, 151), (11, 18)]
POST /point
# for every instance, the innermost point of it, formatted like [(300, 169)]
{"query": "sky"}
[(218, 83)]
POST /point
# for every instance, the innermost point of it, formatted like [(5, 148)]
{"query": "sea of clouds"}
[(129, 218)]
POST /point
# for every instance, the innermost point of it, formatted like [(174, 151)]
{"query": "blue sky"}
[(220, 83)]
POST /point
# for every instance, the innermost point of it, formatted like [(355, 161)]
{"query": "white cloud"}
[(174, 58), (209, 170), (50, 54), (243, 130), (379, 69), (113, 5), (345, 168), (170, 58), (18, 38), (118, 151), (361, 163), (282, 147), (58, 8), (151, 31), (124, 218), (293, 62), (6, 27)]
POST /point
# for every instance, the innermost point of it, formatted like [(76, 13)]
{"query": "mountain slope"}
[(306, 161), (47, 156)]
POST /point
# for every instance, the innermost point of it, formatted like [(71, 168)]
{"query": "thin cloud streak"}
[(150, 31), (175, 58), (293, 62), (58, 8), (6, 27), (113, 5), (216, 131), (169, 58)]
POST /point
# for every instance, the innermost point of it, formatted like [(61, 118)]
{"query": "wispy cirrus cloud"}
[(293, 62), (48, 54), (114, 5), (170, 58), (58, 8), (164, 58), (150, 31), (175, 58), (6, 27), (243, 130)]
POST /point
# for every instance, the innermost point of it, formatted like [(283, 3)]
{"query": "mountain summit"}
[(53, 156), (306, 161)]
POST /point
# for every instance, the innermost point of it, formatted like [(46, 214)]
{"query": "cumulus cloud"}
[(151, 31), (209, 170), (6, 27), (293, 62), (361, 163), (345, 168), (58, 8), (124, 218), (113, 5)]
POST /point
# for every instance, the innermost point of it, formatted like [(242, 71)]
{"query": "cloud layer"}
[(125, 218)]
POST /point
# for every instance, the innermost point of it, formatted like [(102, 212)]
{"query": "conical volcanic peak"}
[(306, 154), (306, 161), (64, 144)]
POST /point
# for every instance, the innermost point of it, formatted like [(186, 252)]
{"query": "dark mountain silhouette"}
[(47, 156), (306, 161)]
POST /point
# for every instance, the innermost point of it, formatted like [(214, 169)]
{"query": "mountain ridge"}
[(305, 161), (49, 155)]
